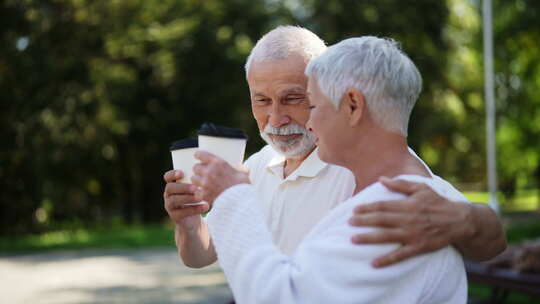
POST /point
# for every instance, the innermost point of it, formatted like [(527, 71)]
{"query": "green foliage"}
[(112, 236), (517, 68), (523, 231), (482, 292), (92, 93), (518, 82)]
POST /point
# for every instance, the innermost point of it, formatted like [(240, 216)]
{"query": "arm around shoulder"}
[(485, 237), (325, 268)]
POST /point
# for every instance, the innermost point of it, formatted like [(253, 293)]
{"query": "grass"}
[(480, 292), (526, 230), (141, 236), (524, 200), (136, 236), (116, 236)]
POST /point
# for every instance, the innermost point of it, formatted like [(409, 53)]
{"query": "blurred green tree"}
[(517, 32), (92, 93), (517, 68)]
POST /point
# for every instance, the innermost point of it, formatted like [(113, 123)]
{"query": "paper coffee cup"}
[(226, 143), (183, 158)]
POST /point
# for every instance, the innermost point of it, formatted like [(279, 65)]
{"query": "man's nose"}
[(278, 117)]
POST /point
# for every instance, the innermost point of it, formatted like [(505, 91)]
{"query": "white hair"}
[(388, 79), (284, 41)]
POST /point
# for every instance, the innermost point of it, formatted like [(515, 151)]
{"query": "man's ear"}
[(354, 105)]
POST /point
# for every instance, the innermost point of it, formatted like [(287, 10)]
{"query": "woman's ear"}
[(354, 105)]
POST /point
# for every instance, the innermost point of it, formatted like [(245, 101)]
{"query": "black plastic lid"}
[(210, 129), (185, 144)]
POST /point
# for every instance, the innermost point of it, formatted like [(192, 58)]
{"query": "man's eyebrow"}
[(259, 94), (293, 91)]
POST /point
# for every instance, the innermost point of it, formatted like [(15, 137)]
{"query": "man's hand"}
[(176, 195), (213, 175), (191, 233), (422, 222)]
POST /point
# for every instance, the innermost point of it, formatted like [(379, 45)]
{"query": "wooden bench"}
[(502, 281)]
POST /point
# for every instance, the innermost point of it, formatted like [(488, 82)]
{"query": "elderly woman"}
[(362, 91)]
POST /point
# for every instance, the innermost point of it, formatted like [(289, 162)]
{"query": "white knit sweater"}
[(327, 267)]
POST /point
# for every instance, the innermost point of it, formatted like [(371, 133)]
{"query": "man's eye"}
[(294, 99), (311, 107)]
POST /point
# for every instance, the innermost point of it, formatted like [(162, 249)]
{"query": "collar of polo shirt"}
[(310, 167)]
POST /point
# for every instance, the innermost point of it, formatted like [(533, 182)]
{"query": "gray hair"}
[(377, 68), (284, 41)]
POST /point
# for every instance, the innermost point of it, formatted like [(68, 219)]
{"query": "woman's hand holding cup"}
[(212, 175)]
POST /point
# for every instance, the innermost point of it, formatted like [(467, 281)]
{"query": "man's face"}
[(326, 123), (280, 105)]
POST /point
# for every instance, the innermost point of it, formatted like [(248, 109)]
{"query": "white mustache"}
[(296, 147), (285, 130)]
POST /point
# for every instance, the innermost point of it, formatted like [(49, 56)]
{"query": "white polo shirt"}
[(293, 205)]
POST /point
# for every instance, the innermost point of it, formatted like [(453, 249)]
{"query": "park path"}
[(109, 276)]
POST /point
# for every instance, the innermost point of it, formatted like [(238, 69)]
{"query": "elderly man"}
[(297, 189), (362, 91)]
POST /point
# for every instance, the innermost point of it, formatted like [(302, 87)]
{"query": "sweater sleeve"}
[(326, 267)]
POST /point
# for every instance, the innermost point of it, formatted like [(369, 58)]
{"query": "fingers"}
[(173, 175), (201, 172), (173, 188), (380, 236), (381, 206), (178, 201), (178, 214), (402, 186), (198, 192), (398, 255), (178, 194), (379, 219), (205, 157), (198, 169), (196, 178)]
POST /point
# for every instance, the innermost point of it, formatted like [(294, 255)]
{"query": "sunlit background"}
[(92, 93)]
